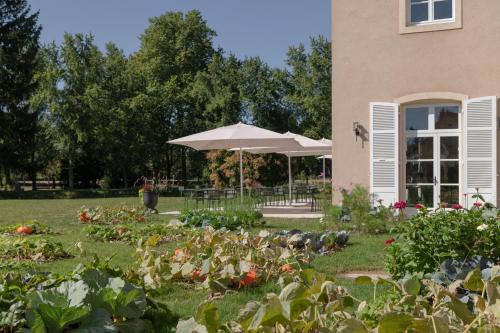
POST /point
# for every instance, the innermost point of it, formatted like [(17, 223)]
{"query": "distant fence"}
[(80, 194)]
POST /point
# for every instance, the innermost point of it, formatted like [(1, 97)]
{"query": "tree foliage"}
[(79, 113)]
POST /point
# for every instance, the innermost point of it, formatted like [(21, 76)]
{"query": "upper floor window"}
[(430, 11)]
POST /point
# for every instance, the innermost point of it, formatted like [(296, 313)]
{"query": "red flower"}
[(389, 241), (419, 206), (457, 206), (477, 204), (400, 205)]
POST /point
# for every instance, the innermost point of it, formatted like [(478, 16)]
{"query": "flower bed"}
[(230, 220), (111, 215), (427, 239), (222, 260)]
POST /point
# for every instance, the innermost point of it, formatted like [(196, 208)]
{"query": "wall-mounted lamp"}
[(356, 129)]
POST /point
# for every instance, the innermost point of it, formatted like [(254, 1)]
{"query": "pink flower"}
[(389, 241), (457, 206), (477, 204), (419, 206), (400, 205)]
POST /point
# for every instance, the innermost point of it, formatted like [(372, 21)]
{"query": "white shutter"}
[(480, 148), (384, 161)]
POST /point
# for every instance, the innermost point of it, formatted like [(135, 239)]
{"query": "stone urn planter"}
[(150, 197)]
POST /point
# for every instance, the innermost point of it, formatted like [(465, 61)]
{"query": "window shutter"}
[(384, 161), (480, 150)]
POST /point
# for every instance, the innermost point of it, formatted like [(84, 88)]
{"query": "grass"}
[(364, 252)]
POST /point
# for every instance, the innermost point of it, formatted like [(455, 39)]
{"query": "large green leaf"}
[(460, 309), (56, 319), (208, 315), (190, 326), (98, 321), (394, 323), (246, 314), (474, 281), (352, 325), (412, 285), (363, 281)]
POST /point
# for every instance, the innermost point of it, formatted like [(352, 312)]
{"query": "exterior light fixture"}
[(356, 129)]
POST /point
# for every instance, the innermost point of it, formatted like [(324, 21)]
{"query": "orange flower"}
[(249, 278), (287, 268), (84, 217)]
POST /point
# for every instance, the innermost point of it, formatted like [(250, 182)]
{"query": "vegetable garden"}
[(115, 268)]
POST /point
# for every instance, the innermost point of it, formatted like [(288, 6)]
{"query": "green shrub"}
[(357, 213), (428, 239), (231, 220)]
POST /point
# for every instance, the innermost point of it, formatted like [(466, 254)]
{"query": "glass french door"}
[(432, 165), (432, 169)]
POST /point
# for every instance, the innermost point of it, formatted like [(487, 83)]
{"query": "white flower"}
[(482, 227)]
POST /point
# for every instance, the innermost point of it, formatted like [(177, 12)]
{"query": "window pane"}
[(446, 117), (449, 172), (449, 147), (417, 119), (419, 172), (419, 11), (443, 9), (420, 195), (449, 194), (419, 148)]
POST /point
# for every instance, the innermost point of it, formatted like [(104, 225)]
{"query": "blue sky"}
[(262, 28)]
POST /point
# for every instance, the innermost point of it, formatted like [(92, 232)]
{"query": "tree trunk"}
[(71, 176), (183, 167), (169, 163), (34, 186), (125, 180)]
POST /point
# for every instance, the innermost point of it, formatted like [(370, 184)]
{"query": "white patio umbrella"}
[(308, 147), (236, 137), (324, 158)]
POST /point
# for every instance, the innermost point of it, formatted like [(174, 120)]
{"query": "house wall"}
[(374, 62)]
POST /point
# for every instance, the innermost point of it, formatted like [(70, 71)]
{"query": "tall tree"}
[(174, 49), (19, 45), (264, 91), (80, 68), (310, 77)]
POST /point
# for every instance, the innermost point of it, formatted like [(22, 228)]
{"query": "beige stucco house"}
[(419, 81)]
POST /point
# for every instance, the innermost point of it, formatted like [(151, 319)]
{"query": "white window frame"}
[(431, 131), (431, 19)]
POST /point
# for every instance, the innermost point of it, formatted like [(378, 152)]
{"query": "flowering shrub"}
[(111, 215), (221, 260), (427, 239)]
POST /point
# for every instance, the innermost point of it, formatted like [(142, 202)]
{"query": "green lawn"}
[(364, 253)]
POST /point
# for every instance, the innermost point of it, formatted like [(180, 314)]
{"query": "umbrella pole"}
[(324, 172), (290, 179), (241, 177)]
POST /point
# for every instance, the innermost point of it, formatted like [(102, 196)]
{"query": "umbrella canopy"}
[(238, 136), (309, 147)]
